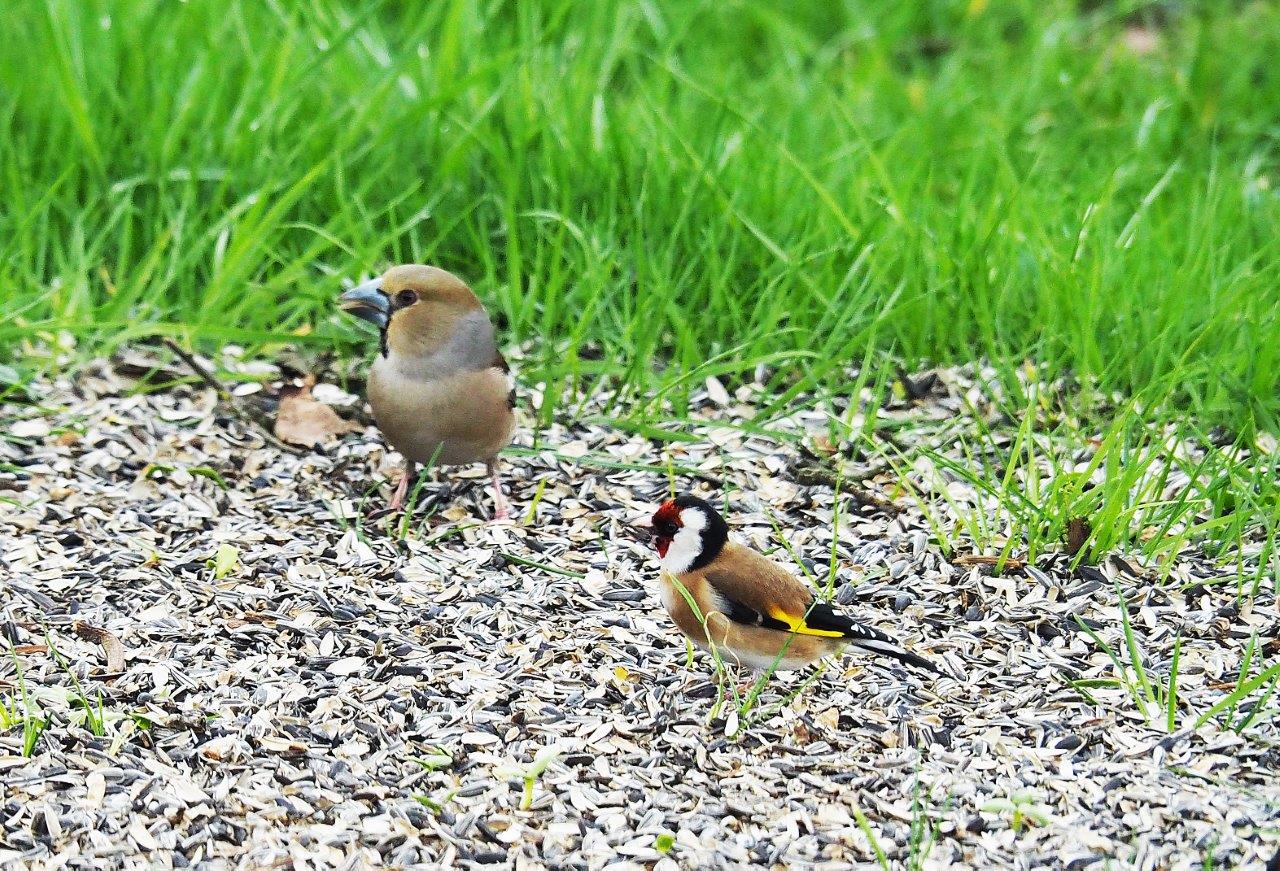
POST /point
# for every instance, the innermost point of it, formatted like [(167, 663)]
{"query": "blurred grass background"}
[(658, 190)]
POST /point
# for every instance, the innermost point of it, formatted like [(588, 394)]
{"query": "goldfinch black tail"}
[(823, 617)]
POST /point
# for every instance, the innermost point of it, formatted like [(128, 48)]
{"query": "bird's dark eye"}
[(667, 529), (406, 297)]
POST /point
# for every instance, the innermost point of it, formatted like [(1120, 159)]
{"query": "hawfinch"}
[(440, 390), (743, 602)]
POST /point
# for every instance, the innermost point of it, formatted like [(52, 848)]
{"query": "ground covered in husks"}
[(219, 654)]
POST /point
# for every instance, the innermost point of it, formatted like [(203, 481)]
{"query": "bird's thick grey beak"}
[(366, 301)]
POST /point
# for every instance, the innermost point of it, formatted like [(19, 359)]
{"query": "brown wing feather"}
[(747, 577)]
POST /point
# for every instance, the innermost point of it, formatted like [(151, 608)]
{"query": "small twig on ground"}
[(110, 644), (1012, 563), (822, 466), (249, 415), (810, 474)]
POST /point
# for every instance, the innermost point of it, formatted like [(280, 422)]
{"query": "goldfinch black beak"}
[(366, 301)]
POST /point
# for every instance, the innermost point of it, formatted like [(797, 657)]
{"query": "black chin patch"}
[(382, 333)]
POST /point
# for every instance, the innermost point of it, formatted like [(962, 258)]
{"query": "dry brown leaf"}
[(110, 644), (824, 446), (302, 420), (1078, 531)]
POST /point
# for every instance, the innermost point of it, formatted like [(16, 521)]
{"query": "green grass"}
[(686, 182), (653, 192), (1150, 487), (21, 709), (530, 777), (924, 831), (865, 825), (1264, 684), (1022, 810), (1157, 699), (94, 717)]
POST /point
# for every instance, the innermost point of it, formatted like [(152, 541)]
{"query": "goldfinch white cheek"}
[(686, 546)]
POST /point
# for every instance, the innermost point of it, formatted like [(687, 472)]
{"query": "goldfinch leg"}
[(402, 489), (501, 510)]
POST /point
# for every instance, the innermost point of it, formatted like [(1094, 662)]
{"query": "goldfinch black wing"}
[(823, 617), (744, 614)]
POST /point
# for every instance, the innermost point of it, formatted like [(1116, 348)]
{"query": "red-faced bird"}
[(726, 595)]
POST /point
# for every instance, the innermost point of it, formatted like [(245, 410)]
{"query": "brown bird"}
[(724, 594), (441, 391)]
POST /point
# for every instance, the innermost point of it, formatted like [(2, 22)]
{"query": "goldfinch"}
[(743, 603), (439, 388)]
